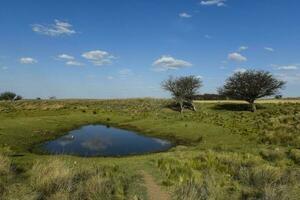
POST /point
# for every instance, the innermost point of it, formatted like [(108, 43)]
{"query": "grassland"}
[(223, 151)]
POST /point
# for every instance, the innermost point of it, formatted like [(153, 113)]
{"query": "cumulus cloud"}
[(218, 3), (237, 57), (242, 48), (269, 49), (98, 57), (27, 60), (241, 70), (59, 28), (65, 57), (169, 63), (184, 15), (74, 63)]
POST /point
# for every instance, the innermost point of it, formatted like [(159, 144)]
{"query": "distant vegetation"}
[(210, 97), (10, 96)]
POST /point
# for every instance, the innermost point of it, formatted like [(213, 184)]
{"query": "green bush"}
[(7, 96)]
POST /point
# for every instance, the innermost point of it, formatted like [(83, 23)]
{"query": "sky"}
[(125, 49)]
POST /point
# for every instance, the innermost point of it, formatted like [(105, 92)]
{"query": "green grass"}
[(223, 150)]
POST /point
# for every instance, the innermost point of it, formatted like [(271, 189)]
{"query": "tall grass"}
[(55, 179), (221, 175)]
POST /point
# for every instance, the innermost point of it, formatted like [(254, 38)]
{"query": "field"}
[(222, 151)]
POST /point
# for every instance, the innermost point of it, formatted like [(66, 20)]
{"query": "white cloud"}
[(74, 63), (291, 78), (98, 57), (241, 70), (269, 49), (110, 77), (199, 76), (65, 57), (59, 28), (27, 60), (4, 68), (237, 57), (242, 48), (184, 15), (169, 63), (218, 3), (286, 67)]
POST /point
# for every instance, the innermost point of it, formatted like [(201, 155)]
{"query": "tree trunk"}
[(181, 106), (193, 106), (253, 106)]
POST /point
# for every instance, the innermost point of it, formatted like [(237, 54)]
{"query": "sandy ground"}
[(153, 189)]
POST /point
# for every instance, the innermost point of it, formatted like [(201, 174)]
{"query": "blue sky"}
[(120, 49)]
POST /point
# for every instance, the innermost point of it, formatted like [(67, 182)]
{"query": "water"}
[(99, 140)]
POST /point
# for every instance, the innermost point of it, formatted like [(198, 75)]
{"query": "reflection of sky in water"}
[(96, 144), (162, 142), (65, 140), (98, 140)]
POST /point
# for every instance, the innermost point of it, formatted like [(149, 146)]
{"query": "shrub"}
[(295, 155)]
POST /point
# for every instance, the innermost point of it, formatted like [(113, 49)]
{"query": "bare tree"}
[(251, 85), (183, 89)]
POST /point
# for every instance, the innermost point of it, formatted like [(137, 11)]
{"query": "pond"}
[(100, 140)]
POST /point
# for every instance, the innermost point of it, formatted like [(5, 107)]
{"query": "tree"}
[(251, 85), (7, 96), (17, 98), (183, 89)]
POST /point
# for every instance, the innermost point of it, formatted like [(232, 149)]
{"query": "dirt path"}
[(153, 189)]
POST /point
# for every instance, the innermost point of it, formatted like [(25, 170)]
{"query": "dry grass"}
[(276, 101), (50, 177), (4, 164)]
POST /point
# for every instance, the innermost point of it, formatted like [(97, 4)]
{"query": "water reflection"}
[(99, 140)]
